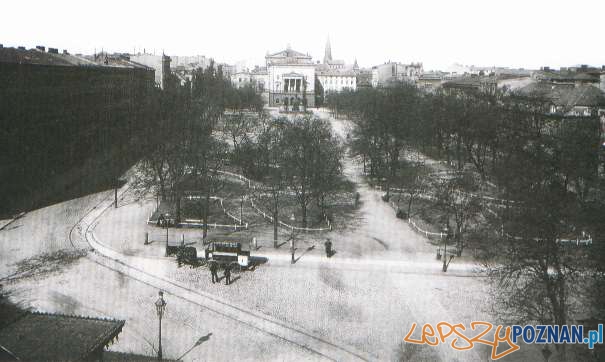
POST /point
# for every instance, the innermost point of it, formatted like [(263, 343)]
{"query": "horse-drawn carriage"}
[(227, 253)]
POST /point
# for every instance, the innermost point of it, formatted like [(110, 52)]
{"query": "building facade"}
[(290, 78), (392, 72), (335, 76), (64, 117)]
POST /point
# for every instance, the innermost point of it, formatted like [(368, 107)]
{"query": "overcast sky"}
[(515, 33)]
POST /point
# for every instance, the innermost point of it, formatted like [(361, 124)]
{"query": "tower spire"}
[(328, 53)]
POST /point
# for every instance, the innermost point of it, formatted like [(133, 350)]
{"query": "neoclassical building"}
[(290, 78)]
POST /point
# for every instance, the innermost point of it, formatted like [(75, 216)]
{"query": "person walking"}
[(328, 246), (227, 274), (213, 272)]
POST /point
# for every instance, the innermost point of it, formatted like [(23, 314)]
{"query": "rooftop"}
[(566, 96), (40, 336), (288, 56), (53, 57)]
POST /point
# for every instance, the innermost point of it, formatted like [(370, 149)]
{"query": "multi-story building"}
[(393, 72), (181, 66), (66, 118), (290, 78), (335, 75)]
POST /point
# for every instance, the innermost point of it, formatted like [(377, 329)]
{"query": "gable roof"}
[(288, 53), (44, 337)]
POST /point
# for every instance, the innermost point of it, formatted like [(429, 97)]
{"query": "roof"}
[(289, 56), (585, 95), (469, 82), (566, 96), (40, 57), (288, 53), (35, 56), (40, 336)]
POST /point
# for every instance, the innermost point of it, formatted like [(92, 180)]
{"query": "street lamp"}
[(160, 306), (292, 219), (447, 238)]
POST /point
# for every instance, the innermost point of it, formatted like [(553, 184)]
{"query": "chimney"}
[(53, 50), (21, 48), (41, 48), (65, 52)]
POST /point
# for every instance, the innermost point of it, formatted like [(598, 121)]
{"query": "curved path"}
[(135, 267)]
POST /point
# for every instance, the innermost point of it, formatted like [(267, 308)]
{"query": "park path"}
[(378, 232)]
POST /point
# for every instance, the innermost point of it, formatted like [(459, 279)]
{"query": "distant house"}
[(393, 72), (570, 100), (55, 337), (478, 83), (430, 81)]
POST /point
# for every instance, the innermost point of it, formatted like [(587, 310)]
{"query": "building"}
[(334, 75), (260, 81), (54, 337), (290, 78), (584, 100), (241, 79), (64, 117), (181, 66), (393, 72), (472, 83), (430, 81)]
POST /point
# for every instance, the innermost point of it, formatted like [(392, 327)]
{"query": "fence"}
[(242, 224), (251, 185), (199, 223)]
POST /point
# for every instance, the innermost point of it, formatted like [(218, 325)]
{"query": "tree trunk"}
[(206, 212), (304, 214), (178, 207), (275, 225)]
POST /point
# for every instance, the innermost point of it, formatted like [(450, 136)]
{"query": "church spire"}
[(328, 53)]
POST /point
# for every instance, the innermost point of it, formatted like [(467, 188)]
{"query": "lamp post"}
[(241, 211), (292, 219), (447, 238), (160, 306)]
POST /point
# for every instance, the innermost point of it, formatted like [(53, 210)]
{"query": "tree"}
[(270, 150), (311, 160), (455, 199)]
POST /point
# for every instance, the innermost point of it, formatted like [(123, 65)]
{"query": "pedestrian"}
[(328, 246), (213, 272), (227, 274)]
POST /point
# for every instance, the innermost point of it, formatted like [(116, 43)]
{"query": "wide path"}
[(145, 269)]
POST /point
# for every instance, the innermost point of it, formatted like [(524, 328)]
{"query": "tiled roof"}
[(566, 96), (45, 337)]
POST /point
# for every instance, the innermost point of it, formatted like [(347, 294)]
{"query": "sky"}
[(512, 33)]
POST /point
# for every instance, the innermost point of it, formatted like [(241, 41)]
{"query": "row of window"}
[(343, 81)]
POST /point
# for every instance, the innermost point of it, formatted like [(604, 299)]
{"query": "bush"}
[(402, 214)]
